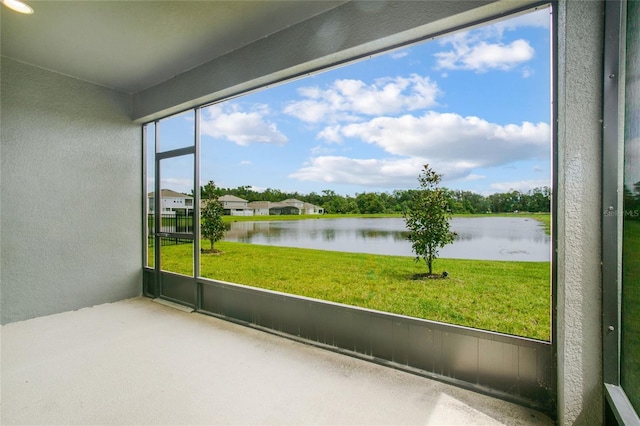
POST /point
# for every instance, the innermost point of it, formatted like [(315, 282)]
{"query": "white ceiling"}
[(133, 45)]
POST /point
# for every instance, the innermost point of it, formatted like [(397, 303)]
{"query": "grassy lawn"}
[(508, 297), (631, 312), (503, 296)]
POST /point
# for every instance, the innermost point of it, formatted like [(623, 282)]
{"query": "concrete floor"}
[(137, 362)]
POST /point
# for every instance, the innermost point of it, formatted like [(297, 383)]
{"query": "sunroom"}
[(86, 88)]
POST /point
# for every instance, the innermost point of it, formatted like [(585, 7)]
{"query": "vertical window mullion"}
[(611, 201), (196, 202)]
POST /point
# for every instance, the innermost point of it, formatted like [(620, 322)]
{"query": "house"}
[(171, 202), (293, 206), (82, 85), (302, 207), (259, 208), (235, 206), (283, 208), (296, 204), (308, 208)]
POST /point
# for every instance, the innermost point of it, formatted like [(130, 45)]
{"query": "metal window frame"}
[(145, 198), (554, 180), (149, 280), (612, 206), (196, 208), (611, 200), (160, 276)]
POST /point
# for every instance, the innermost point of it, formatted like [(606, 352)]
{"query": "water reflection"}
[(489, 238)]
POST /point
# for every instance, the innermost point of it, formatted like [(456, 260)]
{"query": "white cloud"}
[(242, 128), (470, 141), (320, 150), (345, 99), (388, 173), (484, 56), (368, 172), (311, 111), (521, 185), (246, 163), (399, 55), (473, 177), (330, 134), (483, 49), (453, 145)]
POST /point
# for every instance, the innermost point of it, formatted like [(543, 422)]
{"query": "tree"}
[(427, 218), (369, 203), (212, 227)]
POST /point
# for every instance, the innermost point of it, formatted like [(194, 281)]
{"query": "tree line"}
[(397, 201)]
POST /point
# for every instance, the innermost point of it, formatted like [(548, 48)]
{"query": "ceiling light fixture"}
[(18, 6)]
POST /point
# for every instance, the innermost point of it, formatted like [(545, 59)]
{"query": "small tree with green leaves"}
[(427, 218), (212, 227)]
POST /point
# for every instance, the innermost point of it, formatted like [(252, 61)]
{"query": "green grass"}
[(503, 296), (545, 218), (631, 312), (507, 297)]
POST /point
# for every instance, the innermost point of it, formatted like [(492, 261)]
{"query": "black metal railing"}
[(175, 223), (171, 223)]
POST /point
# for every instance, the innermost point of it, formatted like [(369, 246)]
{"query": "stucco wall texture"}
[(580, 29), (70, 198)]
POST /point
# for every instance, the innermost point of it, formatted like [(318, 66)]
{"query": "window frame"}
[(612, 203), (535, 377)]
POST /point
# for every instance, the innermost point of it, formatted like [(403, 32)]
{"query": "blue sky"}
[(475, 105)]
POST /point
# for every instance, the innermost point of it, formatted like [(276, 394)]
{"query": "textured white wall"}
[(71, 194), (580, 398)]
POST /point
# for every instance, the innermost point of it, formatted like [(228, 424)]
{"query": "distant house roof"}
[(259, 204), (278, 204), (283, 205), (231, 198), (169, 193), (292, 201)]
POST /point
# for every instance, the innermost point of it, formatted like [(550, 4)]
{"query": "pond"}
[(485, 238)]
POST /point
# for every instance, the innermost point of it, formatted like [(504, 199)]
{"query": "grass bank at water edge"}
[(507, 297)]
